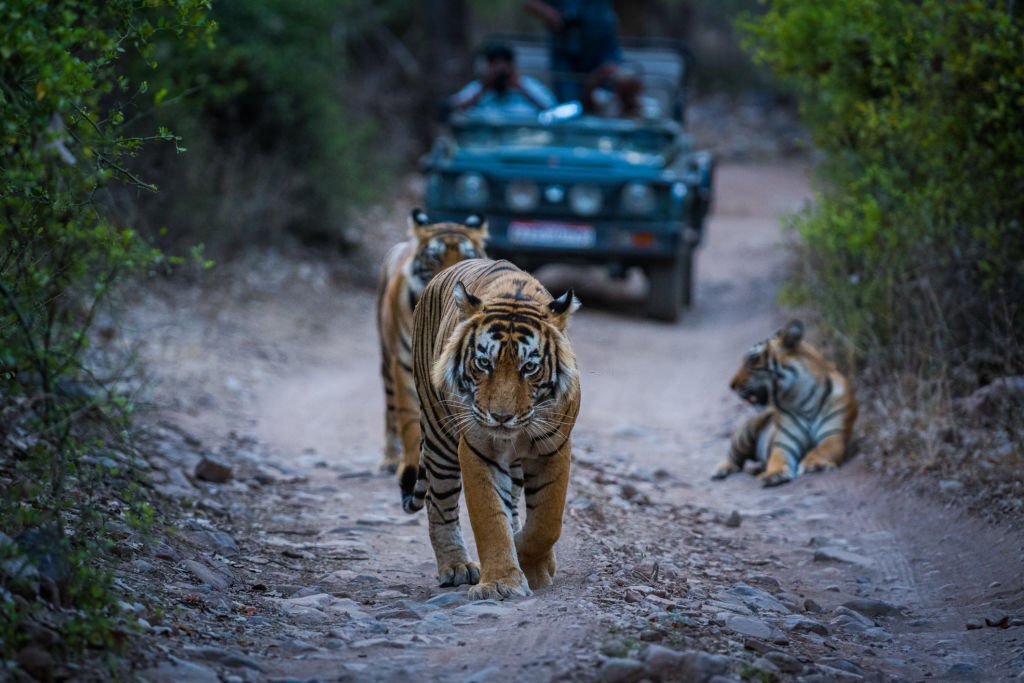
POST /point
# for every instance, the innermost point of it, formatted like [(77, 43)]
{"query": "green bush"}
[(274, 148), (64, 101), (914, 252)]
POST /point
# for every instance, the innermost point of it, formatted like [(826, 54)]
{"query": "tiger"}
[(499, 392), (808, 415), (407, 269)]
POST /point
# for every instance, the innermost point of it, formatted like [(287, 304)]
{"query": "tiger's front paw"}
[(776, 478), (458, 573), (513, 584), (817, 467), (724, 470), (388, 467), (539, 572)]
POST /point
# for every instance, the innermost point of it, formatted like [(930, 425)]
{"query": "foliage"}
[(915, 250), (275, 148), (64, 105)]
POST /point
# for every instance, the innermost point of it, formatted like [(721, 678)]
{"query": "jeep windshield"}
[(610, 136)]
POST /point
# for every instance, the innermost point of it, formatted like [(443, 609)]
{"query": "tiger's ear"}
[(418, 220), (477, 222), (791, 334), (563, 307), (467, 303)]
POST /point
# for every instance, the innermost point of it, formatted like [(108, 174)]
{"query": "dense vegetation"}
[(274, 150), (65, 104), (914, 252)]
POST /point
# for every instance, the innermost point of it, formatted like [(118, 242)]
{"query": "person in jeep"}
[(585, 56), (502, 88)]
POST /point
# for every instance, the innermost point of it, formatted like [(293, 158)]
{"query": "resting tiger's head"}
[(440, 245), (773, 367), (509, 363)]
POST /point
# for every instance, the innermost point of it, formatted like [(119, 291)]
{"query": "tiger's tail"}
[(413, 482)]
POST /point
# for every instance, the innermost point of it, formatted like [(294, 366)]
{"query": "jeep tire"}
[(670, 287)]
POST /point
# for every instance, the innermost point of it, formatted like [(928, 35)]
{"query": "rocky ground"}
[(288, 557)]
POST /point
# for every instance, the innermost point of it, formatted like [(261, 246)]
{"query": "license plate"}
[(545, 234)]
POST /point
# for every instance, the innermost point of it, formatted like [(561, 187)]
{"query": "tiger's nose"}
[(502, 418)]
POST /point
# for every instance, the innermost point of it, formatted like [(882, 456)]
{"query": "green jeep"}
[(571, 188)]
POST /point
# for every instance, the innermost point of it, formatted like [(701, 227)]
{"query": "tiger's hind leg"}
[(444, 485), (547, 481), (743, 445), (392, 437), (827, 455)]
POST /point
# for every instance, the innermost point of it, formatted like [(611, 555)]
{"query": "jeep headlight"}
[(638, 198), (471, 189), (586, 200), (521, 195)]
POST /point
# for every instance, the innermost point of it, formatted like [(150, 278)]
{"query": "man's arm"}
[(545, 12), (467, 97)]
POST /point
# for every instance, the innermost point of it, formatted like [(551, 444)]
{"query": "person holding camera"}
[(502, 88)]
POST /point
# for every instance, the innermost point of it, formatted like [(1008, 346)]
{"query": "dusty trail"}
[(337, 583)]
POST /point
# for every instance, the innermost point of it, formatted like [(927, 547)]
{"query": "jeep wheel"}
[(688, 279), (666, 293)]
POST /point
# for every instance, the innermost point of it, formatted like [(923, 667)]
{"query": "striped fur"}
[(408, 268), (499, 391), (808, 415)]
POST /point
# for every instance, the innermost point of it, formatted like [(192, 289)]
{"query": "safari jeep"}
[(570, 188)]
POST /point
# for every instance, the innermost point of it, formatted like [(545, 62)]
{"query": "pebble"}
[(756, 599), (766, 666), (841, 664), (218, 541), (812, 607), (481, 609), (702, 667), (950, 485), (873, 608), (834, 675), (753, 627), (326, 601), (214, 579), (801, 624), (36, 662), (834, 554), (213, 471), (233, 660), (141, 566), (621, 670), (178, 670), (449, 599), (734, 519), (785, 663), (385, 642), (849, 620)]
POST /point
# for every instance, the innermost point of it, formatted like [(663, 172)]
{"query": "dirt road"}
[(303, 566)]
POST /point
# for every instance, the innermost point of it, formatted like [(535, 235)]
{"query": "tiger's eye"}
[(529, 368), (484, 364)]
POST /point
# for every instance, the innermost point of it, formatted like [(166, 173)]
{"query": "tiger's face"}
[(770, 368), (440, 245), (508, 364)]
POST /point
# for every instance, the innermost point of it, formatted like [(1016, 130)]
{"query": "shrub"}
[(63, 107), (274, 149), (914, 252)]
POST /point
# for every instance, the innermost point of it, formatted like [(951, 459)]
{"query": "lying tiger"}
[(809, 410), (408, 268), (499, 392)]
